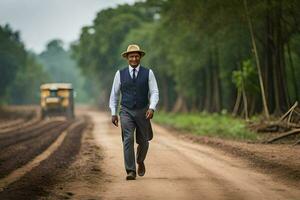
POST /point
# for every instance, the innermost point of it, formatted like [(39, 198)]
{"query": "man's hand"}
[(115, 120), (149, 114)]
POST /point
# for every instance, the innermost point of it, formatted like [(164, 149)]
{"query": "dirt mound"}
[(16, 112)]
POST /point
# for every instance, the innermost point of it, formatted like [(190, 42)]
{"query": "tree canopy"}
[(201, 52), (60, 67), (20, 74)]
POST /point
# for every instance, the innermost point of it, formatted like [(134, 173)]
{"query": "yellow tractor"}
[(57, 100)]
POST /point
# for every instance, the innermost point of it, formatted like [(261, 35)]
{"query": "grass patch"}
[(222, 126)]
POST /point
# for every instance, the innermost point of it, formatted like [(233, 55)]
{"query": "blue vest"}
[(134, 94)]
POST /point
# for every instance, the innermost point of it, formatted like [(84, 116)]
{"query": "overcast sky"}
[(42, 20)]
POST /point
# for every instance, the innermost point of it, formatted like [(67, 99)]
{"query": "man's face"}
[(134, 59)]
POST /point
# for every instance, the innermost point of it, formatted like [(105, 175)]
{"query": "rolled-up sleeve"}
[(153, 91), (115, 94)]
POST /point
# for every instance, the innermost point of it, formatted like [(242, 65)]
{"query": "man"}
[(139, 99)]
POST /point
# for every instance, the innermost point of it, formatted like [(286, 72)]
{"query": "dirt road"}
[(83, 160), (181, 170)]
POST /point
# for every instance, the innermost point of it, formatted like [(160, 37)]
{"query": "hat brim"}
[(124, 54)]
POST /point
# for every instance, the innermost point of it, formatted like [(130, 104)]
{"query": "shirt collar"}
[(137, 68)]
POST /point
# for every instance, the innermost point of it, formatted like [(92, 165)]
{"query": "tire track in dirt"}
[(22, 135), (36, 182), (7, 124), (23, 151)]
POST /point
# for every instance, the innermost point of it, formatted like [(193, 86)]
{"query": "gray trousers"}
[(135, 121)]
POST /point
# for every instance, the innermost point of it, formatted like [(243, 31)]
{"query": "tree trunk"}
[(216, 83), (208, 90), (165, 95), (252, 107), (268, 67), (245, 104), (280, 86), (267, 115), (293, 72), (237, 103), (180, 105), (194, 105), (201, 96)]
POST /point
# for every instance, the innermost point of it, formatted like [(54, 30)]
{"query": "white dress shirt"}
[(115, 91)]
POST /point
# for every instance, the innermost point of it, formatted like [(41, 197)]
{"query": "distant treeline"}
[(207, 55), (22, 72)]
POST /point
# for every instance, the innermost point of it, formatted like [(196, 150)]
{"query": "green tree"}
[(246, 81), (26, 87), (12, 57), (98, 49), (60, 66)]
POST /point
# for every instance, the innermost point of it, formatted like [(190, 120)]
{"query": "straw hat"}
[(133, 48)]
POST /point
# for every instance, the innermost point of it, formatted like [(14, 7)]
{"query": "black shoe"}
[(131, 176), (141, 169)]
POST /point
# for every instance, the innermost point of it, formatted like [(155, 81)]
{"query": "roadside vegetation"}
[(205, 124)]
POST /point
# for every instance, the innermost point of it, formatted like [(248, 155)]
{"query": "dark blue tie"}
[(133, 75)]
